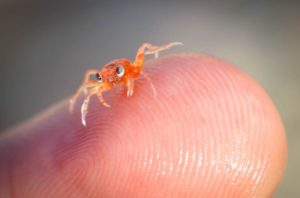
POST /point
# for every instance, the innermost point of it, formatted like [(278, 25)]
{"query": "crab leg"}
[(85, 84), (147, 48), (151, 84), (130, 86), (101, 99), (85, 105)]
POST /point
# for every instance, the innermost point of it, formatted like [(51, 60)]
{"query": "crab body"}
[(117, 72)]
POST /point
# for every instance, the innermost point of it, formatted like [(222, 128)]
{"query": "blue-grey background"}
[(45, 46)]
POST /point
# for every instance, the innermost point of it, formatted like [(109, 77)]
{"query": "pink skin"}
[(211, 132)]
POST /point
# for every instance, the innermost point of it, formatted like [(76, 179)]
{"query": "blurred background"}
[(45, 46)]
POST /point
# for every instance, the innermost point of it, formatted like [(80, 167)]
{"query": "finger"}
[(211, 132)]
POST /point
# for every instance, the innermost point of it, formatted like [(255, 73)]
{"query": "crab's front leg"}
[(85, 84), (130, 87), (101, 99), (83, 88), (85, 105)]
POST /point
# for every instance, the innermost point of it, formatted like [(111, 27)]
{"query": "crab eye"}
[(98, 77), (120, 71)]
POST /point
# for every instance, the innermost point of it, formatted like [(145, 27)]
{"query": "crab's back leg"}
[(147, 48), (85, 84), (150, 82)]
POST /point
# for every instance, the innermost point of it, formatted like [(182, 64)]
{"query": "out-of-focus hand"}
[(211, 132)]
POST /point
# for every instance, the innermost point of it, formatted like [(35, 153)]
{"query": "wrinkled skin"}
[(211, 132)]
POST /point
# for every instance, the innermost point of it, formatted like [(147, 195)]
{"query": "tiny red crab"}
[(116, 72)]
